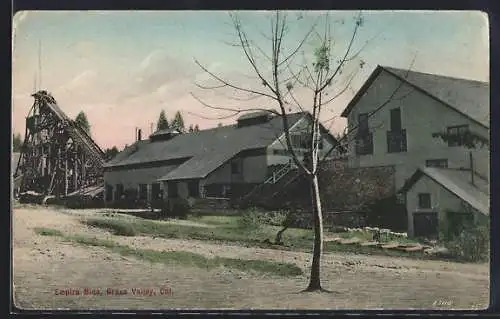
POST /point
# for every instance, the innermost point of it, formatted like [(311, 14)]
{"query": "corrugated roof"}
[(199, 166), (469, 97), (227, 140), (254, 115), (459, 183)]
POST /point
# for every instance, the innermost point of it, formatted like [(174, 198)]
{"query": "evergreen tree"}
[(162, 122), (82, 121), (17, 142), (110, 153), (178, 122)]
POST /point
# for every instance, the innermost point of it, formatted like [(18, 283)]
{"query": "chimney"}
[(471, 168), (139, 135)]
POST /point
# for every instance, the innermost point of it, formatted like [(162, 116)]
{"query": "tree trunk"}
[(315, 280), (279, 236)]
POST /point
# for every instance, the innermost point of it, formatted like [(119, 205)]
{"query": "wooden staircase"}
[(273, 185)]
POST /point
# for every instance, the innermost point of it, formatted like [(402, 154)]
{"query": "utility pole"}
[(39, 64)]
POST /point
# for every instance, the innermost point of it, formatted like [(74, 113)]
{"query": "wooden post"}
[(75, 171), (65, 173), (471, 168), (83, 176)]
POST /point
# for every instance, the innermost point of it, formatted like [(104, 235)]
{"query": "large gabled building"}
[(394, 120), (221, 162)]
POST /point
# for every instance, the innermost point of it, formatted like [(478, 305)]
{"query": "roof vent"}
[(164, 135), (254, 118)]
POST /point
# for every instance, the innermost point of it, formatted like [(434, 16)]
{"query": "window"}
[(109, 193), (301, 140), (457, 131), (363, 123), (364, 144), (172, 190), (396, 119), (119, 191), (443, 163), (320, 144), (424, 200), (143, 191), (401, 198), (156, 192), (194, 189), (236, 166), (396, 141)]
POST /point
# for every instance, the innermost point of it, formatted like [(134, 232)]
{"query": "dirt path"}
[(42, 264)]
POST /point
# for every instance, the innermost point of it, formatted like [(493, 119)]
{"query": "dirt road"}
[(44, 267)]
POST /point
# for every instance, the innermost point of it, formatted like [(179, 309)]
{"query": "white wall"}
[(441, 201), (280, 144), (421, 116), (254, 169), (131, 178)]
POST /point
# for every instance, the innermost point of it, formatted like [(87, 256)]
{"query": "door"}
[(425, 224), (156, 197)]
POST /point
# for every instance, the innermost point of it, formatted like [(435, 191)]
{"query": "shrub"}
[(250, 219), (471, 244), (179, 207), (464, 237)]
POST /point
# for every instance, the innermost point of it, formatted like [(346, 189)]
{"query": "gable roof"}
[(205, 145), (458, 183), (468, 97)]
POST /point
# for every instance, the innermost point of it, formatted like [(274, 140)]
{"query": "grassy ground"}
[(91, 257), (180, 258), (229, 229)]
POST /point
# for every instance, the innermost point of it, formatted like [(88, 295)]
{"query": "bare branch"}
[(390, 99), (232, 85), (231, 109), (301, 43), (212, 118), (248, 53), (348, 50), (342, 91)]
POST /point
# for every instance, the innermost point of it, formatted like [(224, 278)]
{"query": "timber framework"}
[(58, 157)]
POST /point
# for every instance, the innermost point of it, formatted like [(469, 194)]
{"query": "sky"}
[(123, 68)]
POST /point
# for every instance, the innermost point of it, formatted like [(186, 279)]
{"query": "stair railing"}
[(277, 175)]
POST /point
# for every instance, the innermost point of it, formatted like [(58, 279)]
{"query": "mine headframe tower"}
[(58, 156)]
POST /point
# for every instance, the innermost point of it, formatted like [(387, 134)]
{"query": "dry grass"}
[(45, 263)]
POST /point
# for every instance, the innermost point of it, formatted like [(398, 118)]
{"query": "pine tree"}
[(16, 142), (82, 121), (178, 122), (162, 122)]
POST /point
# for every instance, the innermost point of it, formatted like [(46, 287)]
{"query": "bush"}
[(251, 219), (274, 218), (472, 244), (179, 208)]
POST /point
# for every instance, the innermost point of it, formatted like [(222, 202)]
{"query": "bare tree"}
[(325, 77)]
